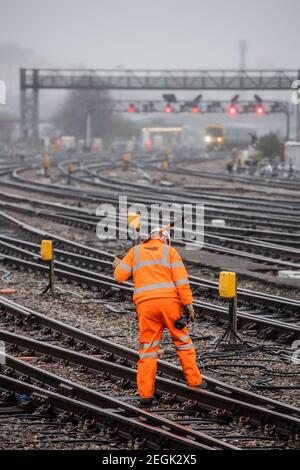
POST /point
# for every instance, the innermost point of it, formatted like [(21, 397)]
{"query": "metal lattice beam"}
[(33, 80), (158, 79)]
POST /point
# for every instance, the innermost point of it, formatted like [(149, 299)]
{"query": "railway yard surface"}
[(68, 380)]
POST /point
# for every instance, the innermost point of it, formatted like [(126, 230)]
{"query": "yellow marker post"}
[(227, 285), (126, 158), (228, 290), (71, 169), (134, 223), (165, 164), (47, 255)]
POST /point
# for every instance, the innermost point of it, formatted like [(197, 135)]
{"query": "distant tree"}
[(71, 118), (270, 146)]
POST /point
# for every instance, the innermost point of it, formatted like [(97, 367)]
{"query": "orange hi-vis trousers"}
[(154, 315)]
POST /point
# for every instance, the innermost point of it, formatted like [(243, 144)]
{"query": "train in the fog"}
[(228, 136)]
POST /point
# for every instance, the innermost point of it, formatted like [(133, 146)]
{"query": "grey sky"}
[(154, 33)]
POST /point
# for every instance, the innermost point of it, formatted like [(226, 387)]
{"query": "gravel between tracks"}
[(86, 310)]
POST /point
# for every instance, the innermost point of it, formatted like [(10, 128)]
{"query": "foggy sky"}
[(154, 33)]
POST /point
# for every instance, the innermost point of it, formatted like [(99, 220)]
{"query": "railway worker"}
[(161, 290), (46, 163)]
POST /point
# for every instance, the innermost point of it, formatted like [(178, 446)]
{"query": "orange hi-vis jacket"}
[(157, 270)]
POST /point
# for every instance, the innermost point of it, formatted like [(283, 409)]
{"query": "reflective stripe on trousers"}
[(184, 346), (148, 355), (143, 346), (149, 345)]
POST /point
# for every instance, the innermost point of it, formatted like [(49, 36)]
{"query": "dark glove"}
[(190, 312), (115, 262)]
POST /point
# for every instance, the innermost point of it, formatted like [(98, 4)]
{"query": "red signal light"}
[(195, 109), (168, 109), (149, 145), (131, 108), (260, 110), (233, 109)]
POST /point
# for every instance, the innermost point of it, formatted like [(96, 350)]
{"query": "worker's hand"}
[(190, 312), (116, 261)]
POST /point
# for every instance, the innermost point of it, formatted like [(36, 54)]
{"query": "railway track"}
[(231, 208), (274, 256), (248, 225), (96, 170), (45, 355), (216, 418), (87, 266), (259, 205), (292, 185)]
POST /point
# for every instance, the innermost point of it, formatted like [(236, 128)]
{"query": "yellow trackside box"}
[(71, 168), (134, 221), (227, 285), (46, 250), (126, 157)]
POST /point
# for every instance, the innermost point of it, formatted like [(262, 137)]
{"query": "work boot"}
[(146, 402), (202, 386)]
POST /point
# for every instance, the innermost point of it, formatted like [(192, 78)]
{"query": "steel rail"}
[(83, 223), (106, 258), (209, 209), (12, 243), (104, 345), (127, 427), (67, 193), (102, 400), (244, 199), (205, 399), (288, 308), (89, 215), (269, 182), (90, 222), (82, 276), (163, 192)]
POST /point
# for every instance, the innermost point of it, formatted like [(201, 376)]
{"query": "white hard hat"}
[(156, 233)]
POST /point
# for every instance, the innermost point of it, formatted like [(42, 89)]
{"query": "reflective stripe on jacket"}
[(157, 270)]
